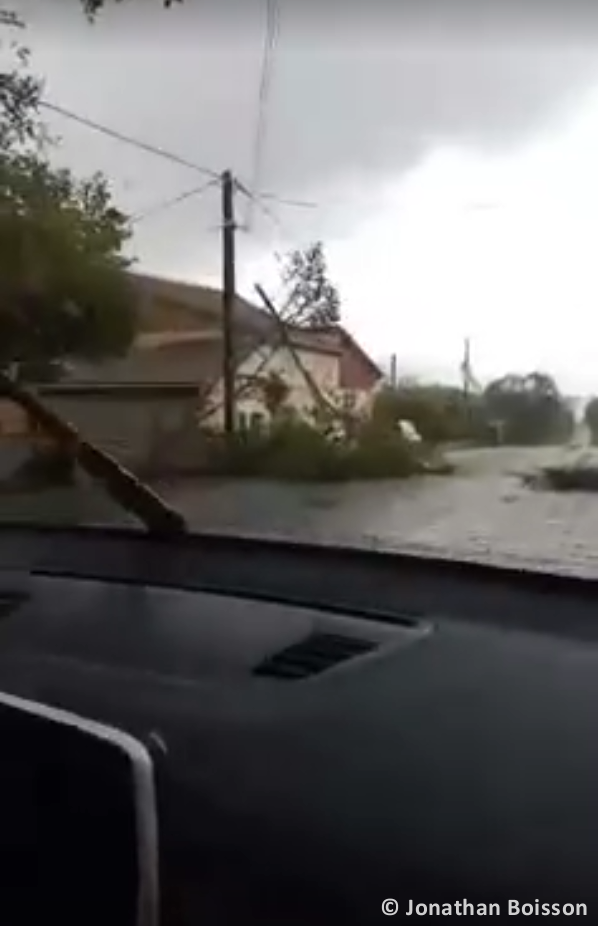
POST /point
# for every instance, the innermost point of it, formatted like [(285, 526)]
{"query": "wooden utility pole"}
[(228, 300)]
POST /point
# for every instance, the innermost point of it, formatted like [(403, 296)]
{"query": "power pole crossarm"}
[(228, 300)]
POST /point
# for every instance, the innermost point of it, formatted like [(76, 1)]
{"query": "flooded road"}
[(484, 512)]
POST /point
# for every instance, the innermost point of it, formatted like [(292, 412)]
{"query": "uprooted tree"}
[(313, 299), (64, 290)]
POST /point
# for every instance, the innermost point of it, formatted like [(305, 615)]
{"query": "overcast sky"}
[(452, 158)]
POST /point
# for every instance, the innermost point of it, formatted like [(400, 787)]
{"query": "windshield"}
[(305, 277)]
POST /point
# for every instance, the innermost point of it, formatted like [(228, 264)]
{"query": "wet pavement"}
[(484, 512)]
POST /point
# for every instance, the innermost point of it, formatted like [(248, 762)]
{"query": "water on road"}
[(484, 512)]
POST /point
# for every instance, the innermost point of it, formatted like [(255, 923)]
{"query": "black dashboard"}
[(331, 728)]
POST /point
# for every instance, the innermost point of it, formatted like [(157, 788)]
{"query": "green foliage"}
[(63, 290), (63, 287), (439, 413), (380, 453), (529, 409), (294, 450), (315, 301), (591, 418), (20, 91), (520, 409)]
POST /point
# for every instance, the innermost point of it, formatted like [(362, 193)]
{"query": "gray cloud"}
[(359, 94)]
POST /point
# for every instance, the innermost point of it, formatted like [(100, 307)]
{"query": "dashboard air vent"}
[(315, 654)]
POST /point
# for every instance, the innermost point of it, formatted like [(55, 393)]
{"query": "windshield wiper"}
[(132, 494)]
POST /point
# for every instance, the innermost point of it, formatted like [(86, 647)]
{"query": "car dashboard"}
[(330, 728)]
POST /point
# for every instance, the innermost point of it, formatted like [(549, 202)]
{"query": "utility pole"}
[(228, 300), (393, 371), (466, 371)]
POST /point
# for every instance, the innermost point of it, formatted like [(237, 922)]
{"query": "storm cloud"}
[(359, 95)]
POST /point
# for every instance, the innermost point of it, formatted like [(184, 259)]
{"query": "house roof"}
[(353, 345), (248, 317), (345, 342), (203, 299), (324, 341), (197, 351)]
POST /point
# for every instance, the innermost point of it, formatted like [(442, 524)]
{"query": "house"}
[(359, 378), (172, 374), (180, 342)]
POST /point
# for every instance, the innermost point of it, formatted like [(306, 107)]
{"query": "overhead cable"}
[(173, 201), (156, 150), (271, 36)]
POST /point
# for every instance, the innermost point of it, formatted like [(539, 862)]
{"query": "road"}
[(484, 512)]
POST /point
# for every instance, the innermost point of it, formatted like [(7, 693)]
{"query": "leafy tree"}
[(19, 90), (64, 291), (529, 409), (315, 301), (590, 417)]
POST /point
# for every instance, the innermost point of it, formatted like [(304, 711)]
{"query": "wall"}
[(359, 401), (125, 424), (324, 369), (359, 379), (356, 372), (177, 363)]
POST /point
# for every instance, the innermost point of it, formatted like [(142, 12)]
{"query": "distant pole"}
[(466, 370), (228, 300), (467, 384), (393, 371)]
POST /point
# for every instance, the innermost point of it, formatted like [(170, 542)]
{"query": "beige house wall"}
[(324, 368)]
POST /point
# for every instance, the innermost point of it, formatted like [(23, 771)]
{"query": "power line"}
[(161, 152), (173, 201), (272, 29), (128, 140), (299, 203), (256, 200)]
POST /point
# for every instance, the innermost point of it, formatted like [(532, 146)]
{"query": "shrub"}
[(379, 452), (295, 450)]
